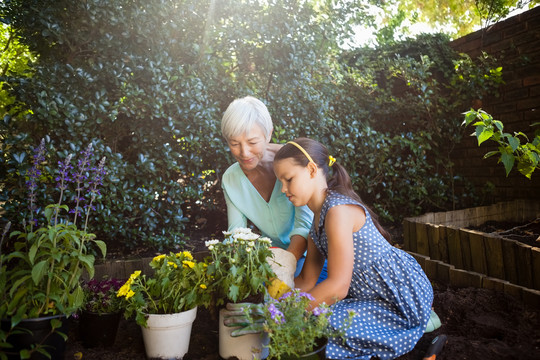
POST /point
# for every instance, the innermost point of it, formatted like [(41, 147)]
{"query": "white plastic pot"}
[(245, 347), (167, 336)]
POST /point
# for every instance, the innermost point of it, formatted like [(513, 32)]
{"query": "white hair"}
[(242, 114)]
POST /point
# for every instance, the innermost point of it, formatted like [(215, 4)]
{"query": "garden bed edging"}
[(462, 257)]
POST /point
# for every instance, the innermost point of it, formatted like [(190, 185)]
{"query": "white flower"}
[(246, 237), (248, 249), (251, 243), (265, 240), (211, 243), (227, 233), (241, 231)]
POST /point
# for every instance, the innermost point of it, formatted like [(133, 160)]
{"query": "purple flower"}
[(319, 311), (275, 314), (97, 178), (64, 168), (33, 174), (306, 295), (286, 295), (80, 178)]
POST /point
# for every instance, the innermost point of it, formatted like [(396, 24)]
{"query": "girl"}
[(385, 286)]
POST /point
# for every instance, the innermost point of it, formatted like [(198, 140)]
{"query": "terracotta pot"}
[(98, 329)]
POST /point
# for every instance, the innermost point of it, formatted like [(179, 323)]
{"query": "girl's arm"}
[(312, 268), (340, 224), (297, 246)]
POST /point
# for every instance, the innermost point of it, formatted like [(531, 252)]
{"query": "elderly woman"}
[(251, 189)]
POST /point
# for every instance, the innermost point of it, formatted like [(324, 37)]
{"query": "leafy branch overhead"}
[(512, 149)]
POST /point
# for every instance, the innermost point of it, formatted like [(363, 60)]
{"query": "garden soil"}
[(479, 323)]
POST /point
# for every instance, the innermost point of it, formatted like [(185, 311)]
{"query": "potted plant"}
[(100, 314), (165, 303), (42, 264), (240, 270), (294, 331)]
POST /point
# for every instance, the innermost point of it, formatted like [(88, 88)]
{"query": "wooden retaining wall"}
[(462, 257), (121, 269)]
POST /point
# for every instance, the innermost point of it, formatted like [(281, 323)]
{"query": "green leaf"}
[(102, 247), (498, 124), (470, 116), (508, 161), (513, 142), (32, 253), (233, 292), (25, 354), (49, 211), (490, 153), (38, 271), (484, 134)]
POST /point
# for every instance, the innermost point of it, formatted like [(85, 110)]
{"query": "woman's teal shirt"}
[(277, 219)]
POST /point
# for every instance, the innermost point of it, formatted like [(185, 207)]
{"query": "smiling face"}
[(297, 181), (249, 148)]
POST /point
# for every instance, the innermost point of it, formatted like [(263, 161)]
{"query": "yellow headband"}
[(302, 150)]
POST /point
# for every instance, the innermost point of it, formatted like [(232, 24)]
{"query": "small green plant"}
[(239, 265), (510, 148), (292, 328), (40, 270), (179, 283)]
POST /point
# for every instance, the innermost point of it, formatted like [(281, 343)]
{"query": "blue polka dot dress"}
[(389, 292)]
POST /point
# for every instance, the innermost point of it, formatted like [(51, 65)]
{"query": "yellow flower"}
[(202, 286), (134, 275), (189, 264), (130, 294), (124, 289), (158, 258), (170, 263), (187, 255)]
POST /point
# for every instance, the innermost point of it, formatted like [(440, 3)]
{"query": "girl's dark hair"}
[(339, 181)]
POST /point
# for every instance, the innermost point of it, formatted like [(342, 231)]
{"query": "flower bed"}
[(463, 257)]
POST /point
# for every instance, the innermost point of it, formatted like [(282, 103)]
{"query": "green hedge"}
[(147, 83)]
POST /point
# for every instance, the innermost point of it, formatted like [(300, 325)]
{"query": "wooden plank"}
[(535, 258), (431, 269), (463, 278), (406, 235), (412, 237), (494, 256), (439, 218), (465, 249), (513, 290), (422, 245), (443, 245), (443, 272), (524, 265), (433, 240), (493, 283), (454, 247), (478, 252), (509, 250), (531, 297)]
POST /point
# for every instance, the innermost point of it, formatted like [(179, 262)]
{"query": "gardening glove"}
[(283, 263), (277, 288), (248, 317)]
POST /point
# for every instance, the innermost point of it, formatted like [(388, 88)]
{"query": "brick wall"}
[(516, 41)]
